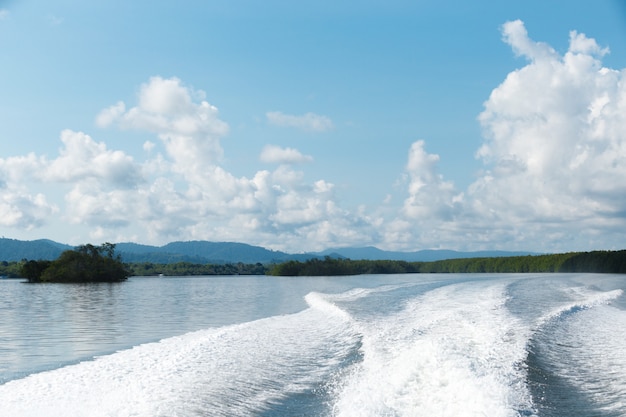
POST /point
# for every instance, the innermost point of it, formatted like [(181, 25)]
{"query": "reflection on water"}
[(43, 326)]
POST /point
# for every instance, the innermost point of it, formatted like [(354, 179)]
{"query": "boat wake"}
[(499, 347)]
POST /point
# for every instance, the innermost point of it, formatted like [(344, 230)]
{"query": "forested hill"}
[(202, 252), (16, 250), (199, 252)]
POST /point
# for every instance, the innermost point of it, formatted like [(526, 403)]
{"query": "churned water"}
[(379, 345)]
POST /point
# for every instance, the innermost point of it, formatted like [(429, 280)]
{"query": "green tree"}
[(32, 270), (87, 263)]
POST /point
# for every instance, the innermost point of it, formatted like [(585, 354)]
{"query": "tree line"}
[(88, 263), (189, 268), (595, 261)]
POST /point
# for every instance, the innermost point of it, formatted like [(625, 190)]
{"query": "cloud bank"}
[(555, 143), (187, 194), (553, 154)]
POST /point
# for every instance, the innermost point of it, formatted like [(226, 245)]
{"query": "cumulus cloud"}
[(187, 124), (555, 141), (554, 154), (21, 207), (23, 210), (116, 198), (82, 163), (88, 203), (187, 194), (183, 193), (515, 34), (276, 155), (430, 196), (109, 115), (432, 210), (82, 158), (309, 121), (20, 169)]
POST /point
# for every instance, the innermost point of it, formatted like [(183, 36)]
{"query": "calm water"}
[(385, 345)]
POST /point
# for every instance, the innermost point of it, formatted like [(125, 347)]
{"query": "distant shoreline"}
[(591, 262)]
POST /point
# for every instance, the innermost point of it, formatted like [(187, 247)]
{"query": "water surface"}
[(380, 345)]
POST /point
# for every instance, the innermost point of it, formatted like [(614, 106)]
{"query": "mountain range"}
[(228, 252)]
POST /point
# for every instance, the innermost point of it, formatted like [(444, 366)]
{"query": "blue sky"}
[(306, 125)]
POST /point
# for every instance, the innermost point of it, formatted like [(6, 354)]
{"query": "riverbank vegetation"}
[(10, 269), (187, 268), (33, 270), (596, 261)]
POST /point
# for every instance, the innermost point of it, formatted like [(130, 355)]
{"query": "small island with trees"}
[(86, 263)]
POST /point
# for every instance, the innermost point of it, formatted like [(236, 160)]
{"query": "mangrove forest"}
[(596, 261)]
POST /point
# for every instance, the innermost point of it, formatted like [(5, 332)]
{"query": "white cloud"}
[(579, 43), (322, 186), (188, 195), (430, 196), (88, 166), (21, 207), (190, 130), (554, 152), (23, 210), (181, 194), (309, 121), (4, 13), (276, 155), (109, 115), (88, 203), (554, 144), (514, 33), (21, 169), (148, 146), (82, 158)]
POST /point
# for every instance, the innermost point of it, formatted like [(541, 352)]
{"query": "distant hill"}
[(203, 252), (427, 255), (194, 252), (227, 252), (16, 250)]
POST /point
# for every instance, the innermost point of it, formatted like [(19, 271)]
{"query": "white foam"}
[(453, 352), (318, 302), (358, 293), (231, 371), (579, 297)]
